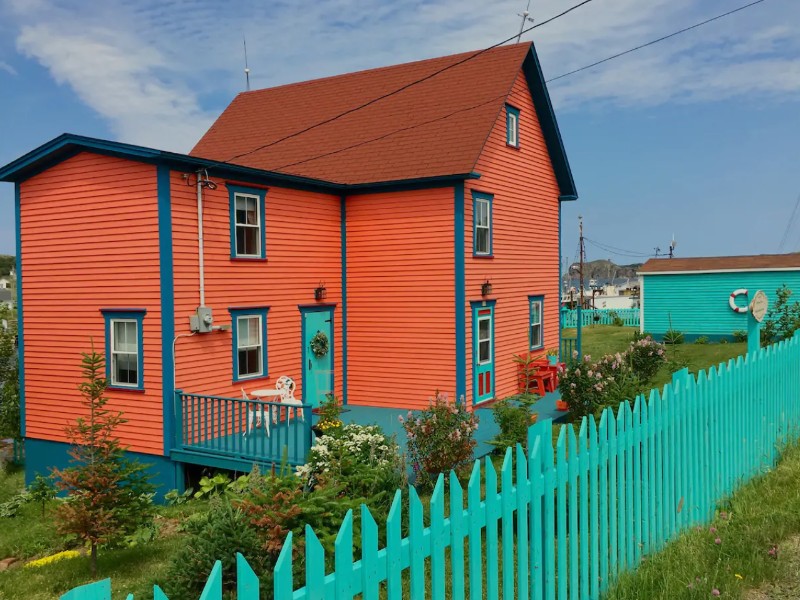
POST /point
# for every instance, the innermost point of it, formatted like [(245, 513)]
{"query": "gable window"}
[(124, 351), (512, 126), (481, 224), (536, 334), (248, 237), (249, 342)]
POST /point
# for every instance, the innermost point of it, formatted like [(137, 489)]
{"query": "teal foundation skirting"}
[(41, 456)]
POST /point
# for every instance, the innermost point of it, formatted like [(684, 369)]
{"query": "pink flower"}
[(712, 529), (723, 515), (773, 552), (578, 372), (717, 541), (715, 592), (590, 373)]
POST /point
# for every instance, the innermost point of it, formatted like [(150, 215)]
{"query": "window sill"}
[(250, 379), (248, 259), (512, 146), (122, 388), (482, 255)]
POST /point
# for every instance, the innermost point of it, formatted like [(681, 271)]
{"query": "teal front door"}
[(483, 351), (317, 326)]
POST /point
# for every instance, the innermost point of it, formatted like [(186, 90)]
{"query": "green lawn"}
[(758, 542), (599, 340)]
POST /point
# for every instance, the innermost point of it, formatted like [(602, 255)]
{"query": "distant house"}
[(6, 298), (697, 296), (5, 283), (415, 237)]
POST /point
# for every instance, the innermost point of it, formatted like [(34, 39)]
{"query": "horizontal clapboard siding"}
[(524, 241), (697, 303), (89, 241), (400, 292), (303, 249)]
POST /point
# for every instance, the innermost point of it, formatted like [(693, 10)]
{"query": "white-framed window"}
[(512, 126), (249, 346), (124, 352), (484, 340), (482, 225), (536, 327), (248, 234)]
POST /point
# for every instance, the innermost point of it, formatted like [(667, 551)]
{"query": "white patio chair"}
[(257, 415), (287, 386)]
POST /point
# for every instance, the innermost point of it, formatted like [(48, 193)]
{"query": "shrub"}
[(216, 535), (739, 335), (783, 319), (640, 335), (9, 380), (440, 438), (616, 320), (645, 358), (329, 412), (702, 340), (582, 385), (513, 416), (360, 460), (673, 337), (42, 490)]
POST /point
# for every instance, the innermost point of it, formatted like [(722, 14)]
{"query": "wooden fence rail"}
[(600, 316), (562, 521)]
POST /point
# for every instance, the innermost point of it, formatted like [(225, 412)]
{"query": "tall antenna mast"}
[(525, 18), (246, 68), (581, 257)]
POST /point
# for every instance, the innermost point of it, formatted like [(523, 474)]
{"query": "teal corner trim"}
[(560, 282), (136, 314), (512, 126), (167, 280), (262, 212), (549, 125), (489, 199), (20, 328), (255, 311), (540, 300), (343, 212), (460, 292)]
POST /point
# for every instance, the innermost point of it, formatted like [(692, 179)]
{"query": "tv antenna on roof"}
[(525, 18), (672, 245), (246, 68)]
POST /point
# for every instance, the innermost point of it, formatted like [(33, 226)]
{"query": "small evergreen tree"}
[(108, 495), (42, 490)]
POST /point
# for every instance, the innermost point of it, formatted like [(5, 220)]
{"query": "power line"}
[(661, 39), (404, 87), (391, 133), (618, 251), (789, 224)]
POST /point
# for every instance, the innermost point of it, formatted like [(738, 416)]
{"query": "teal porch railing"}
[(238, 433), (568, 346), (564, 520), (600, 316)]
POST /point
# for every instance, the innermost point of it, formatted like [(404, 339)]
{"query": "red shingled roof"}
[(435, 128), (763, 262)]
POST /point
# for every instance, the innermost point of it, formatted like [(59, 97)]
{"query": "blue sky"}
[(696, 136)]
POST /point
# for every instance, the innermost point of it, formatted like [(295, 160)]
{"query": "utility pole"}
[(581, 252)]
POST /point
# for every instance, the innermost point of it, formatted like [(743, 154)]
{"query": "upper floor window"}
[(536, 322), (249, 342), (124, 351), (248, 231), (481, 224), (512, 126)]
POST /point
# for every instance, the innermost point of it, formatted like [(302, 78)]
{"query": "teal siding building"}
[(693, 295)]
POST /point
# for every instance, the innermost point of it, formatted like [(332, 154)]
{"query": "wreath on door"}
[(320, 344)]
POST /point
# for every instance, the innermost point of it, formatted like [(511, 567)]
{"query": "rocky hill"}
[(606, 269)]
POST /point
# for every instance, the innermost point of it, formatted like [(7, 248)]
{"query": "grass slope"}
[(762, 515)]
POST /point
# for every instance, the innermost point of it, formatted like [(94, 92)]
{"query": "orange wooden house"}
[(380, 235)]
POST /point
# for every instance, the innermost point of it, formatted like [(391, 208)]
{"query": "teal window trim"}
[(255, 311), (512, 126), (533, 300), (111, 315), (483, 199), (233, 192)]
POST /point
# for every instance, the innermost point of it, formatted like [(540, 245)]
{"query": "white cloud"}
[(159, 72), (4, 66)]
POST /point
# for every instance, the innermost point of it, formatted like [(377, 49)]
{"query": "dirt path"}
[(787, 586)]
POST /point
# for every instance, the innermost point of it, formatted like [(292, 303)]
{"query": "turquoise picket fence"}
[(600, 316), (562, 521)]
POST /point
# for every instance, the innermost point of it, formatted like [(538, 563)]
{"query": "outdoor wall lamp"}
[(486, 288), (320, 293)]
